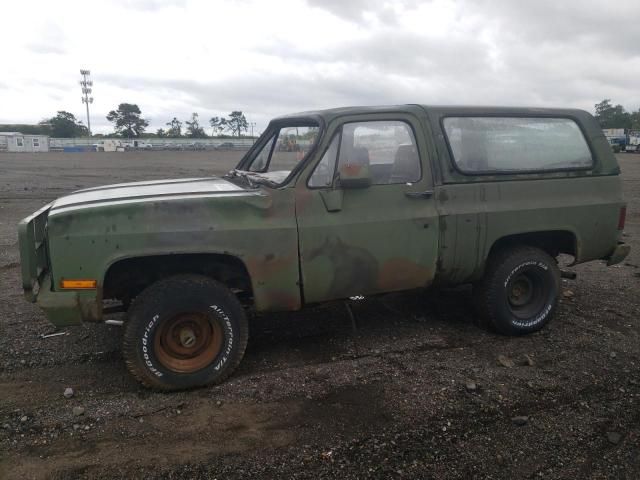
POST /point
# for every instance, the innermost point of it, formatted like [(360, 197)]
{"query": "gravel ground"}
[(413, 390)]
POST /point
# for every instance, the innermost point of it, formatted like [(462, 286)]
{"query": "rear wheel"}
[(520, 291), (184, 331)]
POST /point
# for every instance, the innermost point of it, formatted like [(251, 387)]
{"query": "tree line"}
[(62, 125), (615, 116), (234, 124), (128, 122)]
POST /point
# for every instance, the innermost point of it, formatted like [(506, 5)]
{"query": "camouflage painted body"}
[(300, 245)]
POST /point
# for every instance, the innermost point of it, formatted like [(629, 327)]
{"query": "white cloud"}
[(269, 58)]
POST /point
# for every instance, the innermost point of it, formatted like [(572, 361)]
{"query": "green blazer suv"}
[(325, 206)]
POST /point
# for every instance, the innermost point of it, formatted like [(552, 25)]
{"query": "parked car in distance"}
[(138, 145), (373, 200), (109, 145)]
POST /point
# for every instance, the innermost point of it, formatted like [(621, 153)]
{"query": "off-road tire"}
[(504, 311), (171, 298)]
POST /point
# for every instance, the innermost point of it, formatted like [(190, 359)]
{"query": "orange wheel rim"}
[(188, 342)]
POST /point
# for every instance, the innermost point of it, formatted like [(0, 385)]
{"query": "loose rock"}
[(614, 437), (471, 386), (505, 361), (520, 420), (24, 418), (68, 392), (77, 411)]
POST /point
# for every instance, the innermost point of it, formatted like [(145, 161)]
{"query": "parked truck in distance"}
[(374, 200), (632, 141), (622, 140)]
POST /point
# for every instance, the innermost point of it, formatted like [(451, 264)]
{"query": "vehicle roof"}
[(332, 113), (18, 134)]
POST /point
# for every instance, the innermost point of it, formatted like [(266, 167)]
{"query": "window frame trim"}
[(468, 173), (273, 143), (336, 133), (274, 127)]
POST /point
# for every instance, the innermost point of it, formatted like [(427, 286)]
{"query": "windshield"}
[(283, 151)]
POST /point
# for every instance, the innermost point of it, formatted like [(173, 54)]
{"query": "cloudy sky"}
[(174, 57)]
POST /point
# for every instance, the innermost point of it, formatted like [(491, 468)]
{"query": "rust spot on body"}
[(400, 273)]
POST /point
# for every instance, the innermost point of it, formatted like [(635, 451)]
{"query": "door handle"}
[(425, 194)]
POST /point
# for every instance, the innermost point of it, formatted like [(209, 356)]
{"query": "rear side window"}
[(516, 144)]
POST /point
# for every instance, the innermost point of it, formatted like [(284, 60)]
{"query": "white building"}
[(17, 142)]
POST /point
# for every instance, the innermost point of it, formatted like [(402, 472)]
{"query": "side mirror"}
[(354, 176)]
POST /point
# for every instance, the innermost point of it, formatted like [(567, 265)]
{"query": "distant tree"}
[(603, 109), (218, 124), (42, 128), (161, 132), (65, 125), (175, 129), (635, 120), (237, 123), (127, 120), (194, 130), (610, 116)]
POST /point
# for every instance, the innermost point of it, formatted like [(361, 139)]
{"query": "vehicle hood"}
[(141, 191)]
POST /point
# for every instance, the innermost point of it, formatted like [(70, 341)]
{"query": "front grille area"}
[(33, 251)]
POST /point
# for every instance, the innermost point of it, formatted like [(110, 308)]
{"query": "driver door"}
[(368, 239)]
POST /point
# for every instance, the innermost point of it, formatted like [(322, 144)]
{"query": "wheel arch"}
[(126, 277), (554, 242)]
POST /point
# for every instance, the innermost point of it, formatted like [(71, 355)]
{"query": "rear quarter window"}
[(516, 144)]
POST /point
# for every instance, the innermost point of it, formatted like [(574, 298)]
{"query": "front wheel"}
[(520, 290), (184, 331)]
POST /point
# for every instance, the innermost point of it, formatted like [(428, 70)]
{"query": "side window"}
[(35, 142), (262, 158), (388, 146), (323, 174), (19, 141), (513, 144)]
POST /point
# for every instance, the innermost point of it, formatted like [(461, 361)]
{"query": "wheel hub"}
[(521, 291), (188, 342), (187, 337)]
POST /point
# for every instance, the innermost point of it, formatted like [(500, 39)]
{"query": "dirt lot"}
[(414, 391)]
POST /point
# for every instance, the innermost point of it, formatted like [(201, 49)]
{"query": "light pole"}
[(252, 124), (86, 85)]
